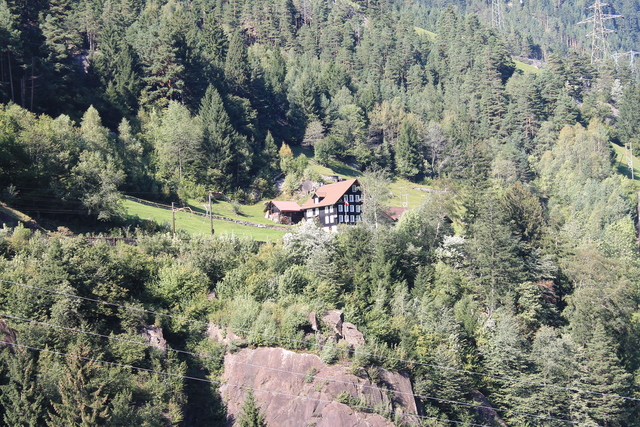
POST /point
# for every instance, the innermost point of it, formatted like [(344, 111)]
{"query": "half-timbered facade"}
[(335, 204)]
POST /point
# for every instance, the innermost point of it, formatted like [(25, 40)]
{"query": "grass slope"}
[(621, 163), (404, 192), (195, 224)]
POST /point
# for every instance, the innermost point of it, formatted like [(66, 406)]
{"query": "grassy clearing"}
[(621, 163), (403, 191), (251, 213), (430, 35), (526, 68), (19, 216), (195, 224)]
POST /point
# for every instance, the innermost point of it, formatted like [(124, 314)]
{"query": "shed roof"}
[(395, 212), (329, 193), (286, 206)]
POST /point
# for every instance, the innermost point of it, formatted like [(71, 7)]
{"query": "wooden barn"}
[(283, 212)]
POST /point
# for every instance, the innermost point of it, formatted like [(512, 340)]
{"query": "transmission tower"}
[(628, 154), (599, 46), (497, 17)]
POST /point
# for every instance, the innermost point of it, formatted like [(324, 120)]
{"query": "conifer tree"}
[(22, 398), (408, 159), (236, 66), (250, 415), (227, 152), (603, 373)]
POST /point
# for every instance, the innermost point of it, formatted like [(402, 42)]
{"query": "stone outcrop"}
[(343, 330), (226, 336), (352, 335), (154, 337), (295, 389), (313, 320), (334, 319)]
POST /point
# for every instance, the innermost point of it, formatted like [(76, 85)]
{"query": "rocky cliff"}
[(296, 389)]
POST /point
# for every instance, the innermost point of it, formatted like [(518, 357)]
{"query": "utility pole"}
[(173, 220), (628, 152), (497, 16), (598, 34), (210, 214)]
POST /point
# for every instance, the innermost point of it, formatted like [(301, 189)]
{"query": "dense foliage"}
[(171, 100), (522, 268)]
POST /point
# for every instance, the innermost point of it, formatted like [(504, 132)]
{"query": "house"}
[(283, 212), (334, 204), (395, 212)]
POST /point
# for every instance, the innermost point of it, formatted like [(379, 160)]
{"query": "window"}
[(354, 188), (353, 218), (358, 208), (340, 208), (340, 218), (316, 200), (331, 209), (309, 213), (352, 208), (357, 197), (326, 209), (351, 197), (357, 217), (326, 220), (317, 211)]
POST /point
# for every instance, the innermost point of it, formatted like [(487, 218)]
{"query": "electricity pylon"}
[(630, 54), (497, 17), (599, 46)]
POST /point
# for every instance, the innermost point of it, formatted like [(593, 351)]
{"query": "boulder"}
[(352, 335), (226, 336), (154, 337), (7, 335), (313, 320), (334, 319)]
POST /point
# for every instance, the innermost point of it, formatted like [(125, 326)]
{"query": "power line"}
[(220, 383), (292, 340), (397, 392), (598, 34)]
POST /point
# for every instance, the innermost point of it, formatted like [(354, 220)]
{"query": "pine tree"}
[(408, 159), (22, 399), (227, 152), (236, 66), (83, 402), (602, 372), (250, 415)]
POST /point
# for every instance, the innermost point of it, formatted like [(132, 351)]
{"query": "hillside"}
[(506, 295)]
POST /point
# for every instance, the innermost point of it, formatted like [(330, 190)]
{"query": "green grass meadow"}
[(621, 163), (196, 224)]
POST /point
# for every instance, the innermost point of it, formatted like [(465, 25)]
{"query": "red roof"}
[(285, 206), (329, 194), (395, 212)]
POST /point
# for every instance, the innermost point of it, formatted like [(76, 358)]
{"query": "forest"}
[(518, 277)]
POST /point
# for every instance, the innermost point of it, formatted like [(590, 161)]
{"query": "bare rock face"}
[(296, 389), (222, 335), (487, 413), (313, 320), (154, 337), (7, 335), (352, 335), (334, 319)]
